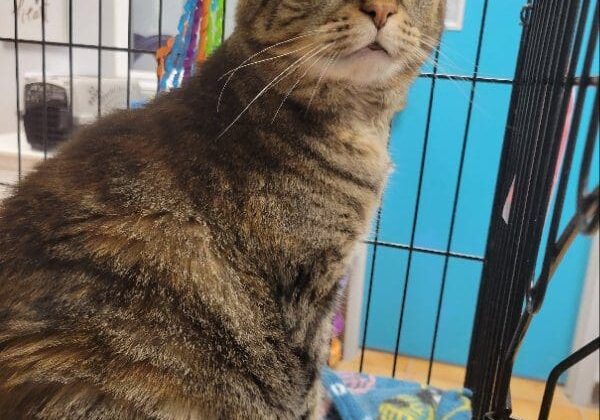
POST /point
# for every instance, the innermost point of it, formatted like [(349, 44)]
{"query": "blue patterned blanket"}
[(355, 396)]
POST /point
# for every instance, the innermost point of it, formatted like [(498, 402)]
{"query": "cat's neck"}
[(284, 167), (309, 87)]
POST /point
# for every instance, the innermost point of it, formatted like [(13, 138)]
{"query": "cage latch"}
[(526, 14)]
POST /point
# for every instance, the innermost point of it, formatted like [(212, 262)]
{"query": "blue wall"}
[(551, 334)]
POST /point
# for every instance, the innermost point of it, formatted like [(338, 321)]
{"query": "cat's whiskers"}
[(311, 53), (431, 59), (287, 41), (450, 63), (322, 75), (428, 58), (436, 48), (439, 46), (267, 59), (245, 62), (233, 71), (289, 92), (456, 82)]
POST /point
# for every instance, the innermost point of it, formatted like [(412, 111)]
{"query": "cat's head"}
[(358, 41)]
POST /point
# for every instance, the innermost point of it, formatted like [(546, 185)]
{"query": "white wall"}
[(85, 31), (230, 8), (85, 60), (583, 377)]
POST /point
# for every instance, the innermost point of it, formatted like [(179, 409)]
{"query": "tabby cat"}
[(181, 261)]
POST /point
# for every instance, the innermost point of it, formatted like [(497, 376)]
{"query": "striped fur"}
[(181, 262)]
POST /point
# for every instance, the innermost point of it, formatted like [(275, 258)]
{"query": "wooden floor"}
[(526, 394)]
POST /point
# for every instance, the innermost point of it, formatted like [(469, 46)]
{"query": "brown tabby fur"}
[(165, 266)]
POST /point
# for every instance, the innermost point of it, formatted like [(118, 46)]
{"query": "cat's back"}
[(92, 245), (118, 166), (112, 282)]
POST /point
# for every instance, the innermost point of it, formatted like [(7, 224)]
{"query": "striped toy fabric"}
[(356, 396), (199, 33)]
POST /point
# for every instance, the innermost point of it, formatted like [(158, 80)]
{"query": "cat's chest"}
[(331, 192), (365, 149)]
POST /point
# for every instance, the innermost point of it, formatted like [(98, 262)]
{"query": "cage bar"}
[(376, 243), (416, 210), (463, 151), (128, 83), (561, 368), (44, 85), (70, 46), (423, 250), (18, 89), (80, 45), (160, 37), (99, 81)]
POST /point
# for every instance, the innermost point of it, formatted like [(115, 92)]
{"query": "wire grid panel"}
[(93, 51), (472, 81)]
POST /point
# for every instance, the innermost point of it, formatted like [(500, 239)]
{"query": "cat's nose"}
[(379, 10)]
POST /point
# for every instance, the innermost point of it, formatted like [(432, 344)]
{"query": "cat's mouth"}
[(367, 62), (376, 46), (373, 49)]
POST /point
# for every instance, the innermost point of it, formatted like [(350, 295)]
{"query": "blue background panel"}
[(551, 334)]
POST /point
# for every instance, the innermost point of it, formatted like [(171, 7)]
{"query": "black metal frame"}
[(554, 34), (561, 368), (544, 77)]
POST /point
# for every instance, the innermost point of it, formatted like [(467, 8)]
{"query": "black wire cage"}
[(548, 73), (554, 41)]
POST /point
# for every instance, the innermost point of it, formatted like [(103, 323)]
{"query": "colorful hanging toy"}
[(199, 33)]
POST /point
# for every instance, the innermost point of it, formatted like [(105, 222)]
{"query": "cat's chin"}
[(365, 66)]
